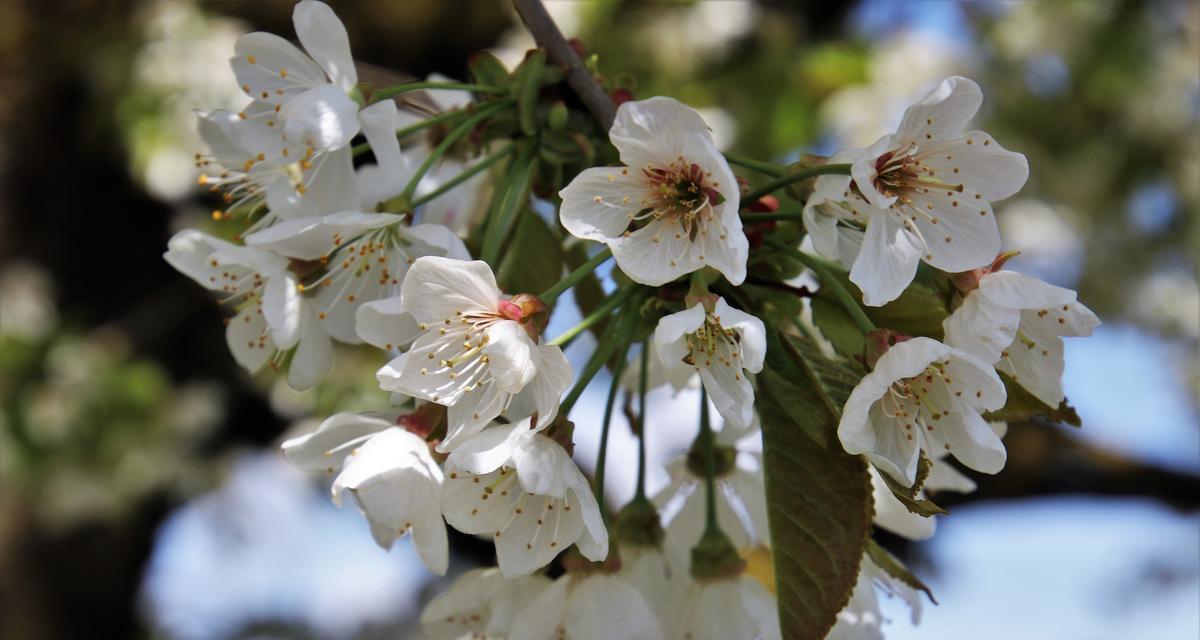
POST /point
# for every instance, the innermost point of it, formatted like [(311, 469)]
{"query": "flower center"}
[(712, 344), (682, 193), (900, 172), (916, 403)]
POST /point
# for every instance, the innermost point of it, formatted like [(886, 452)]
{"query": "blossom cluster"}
[(330, 248)]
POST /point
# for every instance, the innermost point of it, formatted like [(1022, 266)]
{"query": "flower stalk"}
[(785, 180)]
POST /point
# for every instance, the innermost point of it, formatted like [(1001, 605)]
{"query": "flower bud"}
[(878, 342)]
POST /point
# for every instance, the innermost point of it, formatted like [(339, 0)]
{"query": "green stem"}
[(772, 216), (602, 457), (455, 134), (710, 469), (482, 165), (768, 168), (827, 280), (550, 295), (516, 194), (796, 176), (389, 92), (616, 334), (565, 338), (641, 423)]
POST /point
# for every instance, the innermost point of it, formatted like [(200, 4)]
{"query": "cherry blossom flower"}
[(294, 136), (587, 606), (271, 314), (920, 194), (721, 344), (721, 608), (924, 396), (647, 569), (481, 604), (672, 209), (475, 354), (1018, 322), (741, 497), (390, 473), (523, 489)]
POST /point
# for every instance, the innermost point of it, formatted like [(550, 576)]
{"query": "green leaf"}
[(528, 77), (811, 386), (837, 327), (1022, 405), (533, 258), (819, 508), (892, 566), (487, 69)]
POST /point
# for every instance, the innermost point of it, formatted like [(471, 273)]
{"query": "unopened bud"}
[(527, 310), (425, 420), (968, 281), (557, 118), (878, 342), (621, 96)]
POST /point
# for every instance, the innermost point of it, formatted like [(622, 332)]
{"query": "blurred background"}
[(141, 489)]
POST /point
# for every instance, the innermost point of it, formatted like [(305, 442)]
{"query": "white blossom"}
[(924, 396), (1017, 322), (474, 354), (480, 605), (920, 194), (272, 315), (589, 606), (524, 490), (390, 473), (672, 209), (720, 609), (721, 344), (647, 569)]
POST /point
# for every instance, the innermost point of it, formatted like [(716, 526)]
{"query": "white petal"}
[(429, 538), (600, 202), (330, 187), (974, 443), (944, 477), (490, 449), (249, 339), (542, 465), (314, 355), (730, 391), (510, 354), (669, 334), (943, 113), (887, 262), (437, 289), (981, 386), (323, 117), (473, 411), (656, 254), (435, 240), (981, 328), (984, 165), (543, 393), (335, 437), (385, 324), (189, 252), (604, 606), (324, 38), (282, 307), (379, 126), (657, 131), (279, 71), (541, 617), (724, 246), (965, 235), (1019, 291)]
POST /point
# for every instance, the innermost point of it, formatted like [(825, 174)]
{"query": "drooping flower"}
[(720, 608), (271, 314), (862, 618), (1018, 322), (390, 473), (475, 354), (721, 344), (740, 493), (587, 606), (893, 515), (523, 489), (924, 396), (672, 209), (922, 193), (293, 138), (480, 605), (647, 569)]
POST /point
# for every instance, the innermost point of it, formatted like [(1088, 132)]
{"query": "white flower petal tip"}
[(924, 396), (481, 603), (738, 607), (672, 209), (723, 346), (920, 194)]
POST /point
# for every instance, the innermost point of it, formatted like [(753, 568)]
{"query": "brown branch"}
[(548, 37)]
